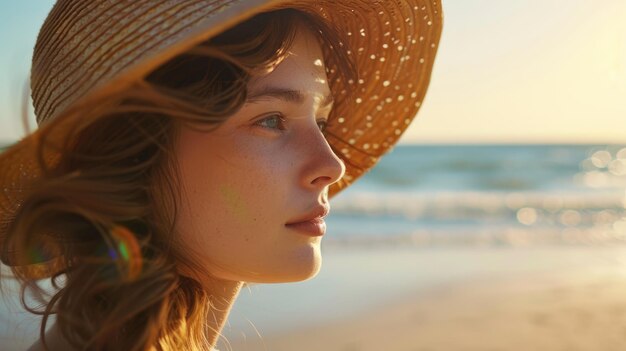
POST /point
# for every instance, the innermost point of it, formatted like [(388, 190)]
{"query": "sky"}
[(514, 71)]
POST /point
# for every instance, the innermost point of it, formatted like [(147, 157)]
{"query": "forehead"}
[(303, 68)]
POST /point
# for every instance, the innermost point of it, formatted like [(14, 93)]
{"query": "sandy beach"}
[(583, 309), (435, 299)]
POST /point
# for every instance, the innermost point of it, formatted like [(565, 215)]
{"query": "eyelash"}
[(283, 120)]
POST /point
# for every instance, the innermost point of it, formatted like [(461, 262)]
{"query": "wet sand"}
[(583, 309)]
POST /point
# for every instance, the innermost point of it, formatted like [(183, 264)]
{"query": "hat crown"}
[(84, 44)]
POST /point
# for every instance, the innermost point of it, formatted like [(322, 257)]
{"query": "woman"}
[(188, 147)]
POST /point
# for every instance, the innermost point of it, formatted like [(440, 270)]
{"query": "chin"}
[(306, 269), (297, 272), (308, 274)]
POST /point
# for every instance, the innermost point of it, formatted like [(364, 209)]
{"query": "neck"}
[(222, 296)]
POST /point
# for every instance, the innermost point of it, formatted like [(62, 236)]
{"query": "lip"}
[(318, 212), (314, 227), (313, 223)]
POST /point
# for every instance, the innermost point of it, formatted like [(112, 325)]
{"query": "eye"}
[(274, 121), (323, 124)]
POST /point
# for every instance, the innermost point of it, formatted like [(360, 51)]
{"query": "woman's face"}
[(242, 183)]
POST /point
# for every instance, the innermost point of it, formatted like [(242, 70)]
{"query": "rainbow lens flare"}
[(129, 250)]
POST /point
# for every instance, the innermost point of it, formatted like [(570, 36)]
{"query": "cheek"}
[(230, 196)]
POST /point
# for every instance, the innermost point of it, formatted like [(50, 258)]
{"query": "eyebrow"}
[(289, 95)]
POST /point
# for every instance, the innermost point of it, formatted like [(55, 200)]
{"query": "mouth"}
[(318, 213), (313, 227)]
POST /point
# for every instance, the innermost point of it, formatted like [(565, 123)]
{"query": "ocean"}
[(486, 195)]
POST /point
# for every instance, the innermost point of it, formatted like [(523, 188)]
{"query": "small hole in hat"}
[(386, 83)]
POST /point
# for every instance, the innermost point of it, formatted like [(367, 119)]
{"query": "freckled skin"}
[(244, 181)]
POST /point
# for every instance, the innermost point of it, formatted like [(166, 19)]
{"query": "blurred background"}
[(497, 223)]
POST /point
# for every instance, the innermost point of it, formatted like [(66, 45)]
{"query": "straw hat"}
[(90, 49)]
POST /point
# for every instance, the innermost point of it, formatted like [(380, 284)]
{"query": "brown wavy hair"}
[(109, 205)]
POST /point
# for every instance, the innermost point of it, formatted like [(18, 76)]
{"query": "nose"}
[(324, 167)]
